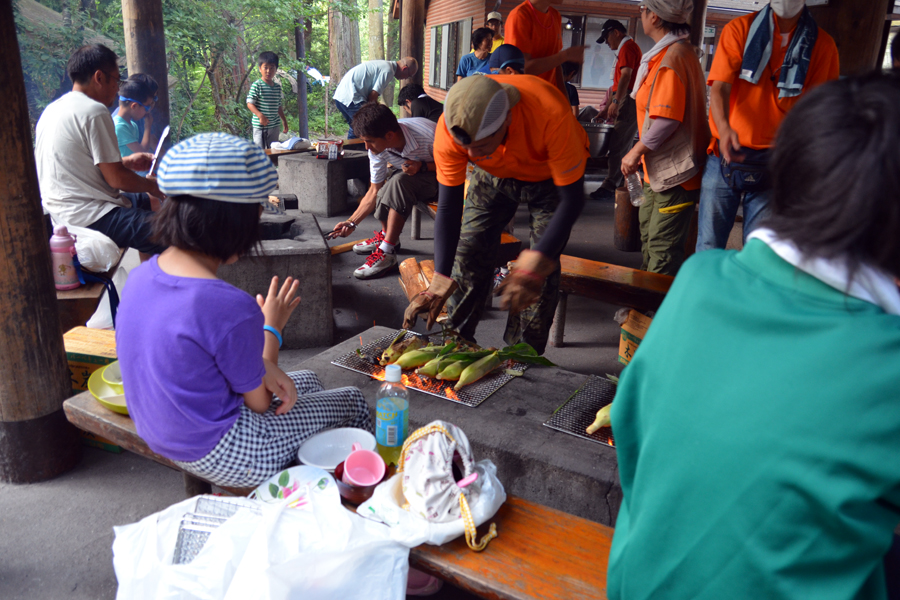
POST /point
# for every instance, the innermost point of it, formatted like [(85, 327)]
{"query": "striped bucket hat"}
[(218, 166)]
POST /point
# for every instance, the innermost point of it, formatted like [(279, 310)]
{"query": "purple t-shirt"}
[(189, 348)]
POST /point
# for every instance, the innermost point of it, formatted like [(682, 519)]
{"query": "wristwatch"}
[(615, 100)]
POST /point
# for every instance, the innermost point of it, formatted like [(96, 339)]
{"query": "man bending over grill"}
[(401, 165), (528, 149)]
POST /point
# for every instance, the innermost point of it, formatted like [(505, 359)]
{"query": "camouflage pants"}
[(490, 204)]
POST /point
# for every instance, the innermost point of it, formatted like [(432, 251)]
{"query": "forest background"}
[(211, 50)]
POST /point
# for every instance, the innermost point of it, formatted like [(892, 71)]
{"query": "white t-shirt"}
[(359, 81), (73, 136)]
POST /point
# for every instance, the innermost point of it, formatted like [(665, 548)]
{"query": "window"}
[(599, 60), (449, 43)]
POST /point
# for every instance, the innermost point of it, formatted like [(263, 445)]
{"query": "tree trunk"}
[(376, 42), (36, 440), (89, 7), (392, 45), (343, 39), (412, 34), (302, 112), (145, 47)]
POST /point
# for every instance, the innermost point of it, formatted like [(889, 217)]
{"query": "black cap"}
[(609, 25)]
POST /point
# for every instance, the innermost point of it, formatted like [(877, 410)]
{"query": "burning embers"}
[(425, 384)]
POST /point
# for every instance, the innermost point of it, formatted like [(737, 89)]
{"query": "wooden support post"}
[(415, 227), (698, 22), (36, 440), (412, 35), (558, 329), (145, 49), (858, 28)]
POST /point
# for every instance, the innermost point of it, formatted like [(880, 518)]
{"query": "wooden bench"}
[(540, 552), (85, 413), (631, 288), (76, 306)]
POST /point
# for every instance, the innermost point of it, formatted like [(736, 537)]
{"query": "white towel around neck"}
[(665, 42)]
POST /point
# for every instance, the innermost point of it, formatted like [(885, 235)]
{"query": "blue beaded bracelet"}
[(274, 332)]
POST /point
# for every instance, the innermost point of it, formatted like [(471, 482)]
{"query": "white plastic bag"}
[(305, 545), (96, 252), (412, 530)]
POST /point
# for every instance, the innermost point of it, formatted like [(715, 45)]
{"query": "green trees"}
[(211, 53)]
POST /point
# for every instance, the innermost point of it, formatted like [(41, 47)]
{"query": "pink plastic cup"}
[(363, 467)]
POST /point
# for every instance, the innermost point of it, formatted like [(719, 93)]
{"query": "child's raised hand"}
[(280, 303), (277, 382)]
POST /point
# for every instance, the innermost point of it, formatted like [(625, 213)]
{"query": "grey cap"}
[(673, 11)]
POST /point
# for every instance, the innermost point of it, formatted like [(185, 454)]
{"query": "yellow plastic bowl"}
[(112, 375), (105, 394)]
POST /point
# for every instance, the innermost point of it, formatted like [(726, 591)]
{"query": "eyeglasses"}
[(642, 8), (147, 108)]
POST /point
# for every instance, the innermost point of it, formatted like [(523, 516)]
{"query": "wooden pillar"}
[(698, 22), (145, 49), (858, 28), (412, 35), (36, 441)]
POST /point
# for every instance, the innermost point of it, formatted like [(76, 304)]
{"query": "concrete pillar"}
[(36, 441), (145, 49)]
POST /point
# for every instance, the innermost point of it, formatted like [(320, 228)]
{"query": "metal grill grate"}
[(471, 395), (196, 527), (580, 409)]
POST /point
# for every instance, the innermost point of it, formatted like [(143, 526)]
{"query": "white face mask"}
[(787, 9)]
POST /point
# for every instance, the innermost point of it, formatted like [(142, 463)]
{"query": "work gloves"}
[(522, 287), (430, 301)]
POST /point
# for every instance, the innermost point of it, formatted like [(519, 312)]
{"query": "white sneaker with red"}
[(378, 262), (370, 244)]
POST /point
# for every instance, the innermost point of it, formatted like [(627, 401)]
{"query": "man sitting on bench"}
[(407, 145), (83, 178)]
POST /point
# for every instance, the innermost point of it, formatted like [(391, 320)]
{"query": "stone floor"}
[(57, 535)]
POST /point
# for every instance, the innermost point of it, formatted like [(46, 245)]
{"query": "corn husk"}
[(416, 358), (478, 369)]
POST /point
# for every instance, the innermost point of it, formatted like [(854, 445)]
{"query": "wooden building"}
[(449, 24), (860, 29)]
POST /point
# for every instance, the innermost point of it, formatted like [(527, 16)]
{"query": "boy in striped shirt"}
[(264, 101)]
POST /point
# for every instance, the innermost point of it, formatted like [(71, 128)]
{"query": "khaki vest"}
[(683, 155)]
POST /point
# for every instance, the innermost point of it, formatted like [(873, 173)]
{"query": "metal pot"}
[(598, 134)]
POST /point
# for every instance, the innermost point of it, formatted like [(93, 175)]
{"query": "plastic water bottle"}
[(62, 250), (635, 189), (391, 416)]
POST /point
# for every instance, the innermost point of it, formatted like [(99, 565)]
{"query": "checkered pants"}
[(260, 445)]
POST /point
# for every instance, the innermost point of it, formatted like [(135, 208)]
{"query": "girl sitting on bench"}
[(199, 357)]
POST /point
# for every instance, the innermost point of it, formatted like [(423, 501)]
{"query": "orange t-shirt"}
[(756, 111), (536, 34), (629, 56), (669, 101), (544, 140)]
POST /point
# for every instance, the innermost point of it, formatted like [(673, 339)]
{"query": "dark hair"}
[(149, 81), (374, 120), (138, 88), (410, 91), (836, 172), (479, 35), (461, 135), (674, 28), (212, 227), (267, 58), (895, 48), (570, 67), (89, 59)]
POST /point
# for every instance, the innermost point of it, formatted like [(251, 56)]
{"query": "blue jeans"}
[(719, 205), (130, 227), (348, 113)]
